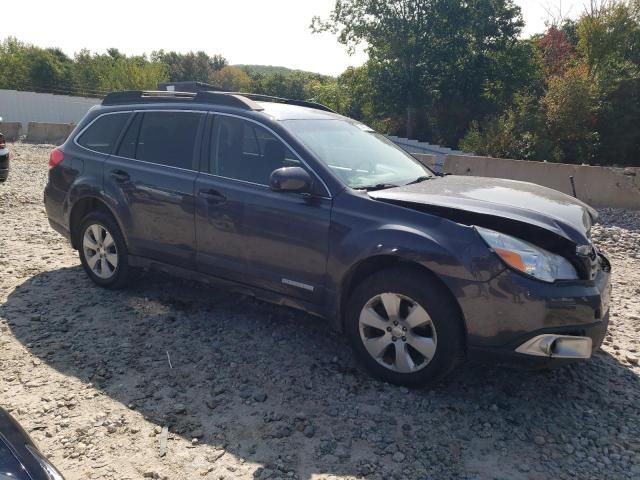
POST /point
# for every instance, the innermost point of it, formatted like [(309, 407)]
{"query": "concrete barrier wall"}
[(11, 130), (54, 133), (426, 159), (28, 107), (600, 187), (417, 147)]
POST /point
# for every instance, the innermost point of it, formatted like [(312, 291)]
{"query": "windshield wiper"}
[(382, 186), (420, 179), (378, 186)]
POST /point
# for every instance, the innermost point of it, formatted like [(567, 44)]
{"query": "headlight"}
[(528, 258)]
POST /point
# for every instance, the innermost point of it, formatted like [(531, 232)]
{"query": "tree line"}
[(28, 67), (451, 72), (458, 73)]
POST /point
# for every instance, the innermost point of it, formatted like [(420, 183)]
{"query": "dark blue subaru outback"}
[(292, 203)]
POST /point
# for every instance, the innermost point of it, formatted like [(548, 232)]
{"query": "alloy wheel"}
[(100, 251), (397, 332)]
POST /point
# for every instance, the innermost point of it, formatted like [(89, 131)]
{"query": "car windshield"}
[(360, 157)]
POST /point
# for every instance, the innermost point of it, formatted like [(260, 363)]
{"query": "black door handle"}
[(120, 175), (212, 196)]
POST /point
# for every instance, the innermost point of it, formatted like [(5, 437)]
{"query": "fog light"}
[(557, 346)]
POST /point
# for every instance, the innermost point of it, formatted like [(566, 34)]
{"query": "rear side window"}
[(103, 134), (166, 138), (127, 147)]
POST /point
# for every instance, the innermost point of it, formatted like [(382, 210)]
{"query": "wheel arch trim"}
[(376, 263), (95, 197)]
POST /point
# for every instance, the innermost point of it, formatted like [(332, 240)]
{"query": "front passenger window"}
[(246, 151)]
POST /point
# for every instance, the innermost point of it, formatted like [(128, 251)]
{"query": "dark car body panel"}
[(160, 207), (263, 238), (520, 201), (518, 302), (302, 250), (4, 163), (15, 459), (10, 466)]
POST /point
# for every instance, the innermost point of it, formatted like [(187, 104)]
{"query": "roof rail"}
[(204, 96), (243, 100), (192, 86), (288, 101), (189, 86), (139, 96)]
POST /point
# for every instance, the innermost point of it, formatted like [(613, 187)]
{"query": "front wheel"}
[(103, 252), (405, 327)]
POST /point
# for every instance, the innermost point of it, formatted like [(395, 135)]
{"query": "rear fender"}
[(91, 187)]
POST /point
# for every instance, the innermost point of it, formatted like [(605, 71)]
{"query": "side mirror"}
[(291, 179)]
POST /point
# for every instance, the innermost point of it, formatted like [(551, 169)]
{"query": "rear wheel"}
[(103, 252), (404, 327)]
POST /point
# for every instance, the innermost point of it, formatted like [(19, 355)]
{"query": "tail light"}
[(3, 144), (55, 157)]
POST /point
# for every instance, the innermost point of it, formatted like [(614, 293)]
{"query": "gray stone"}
[(398, 457)]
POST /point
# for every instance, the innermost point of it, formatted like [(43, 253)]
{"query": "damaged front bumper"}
[(534, 324)]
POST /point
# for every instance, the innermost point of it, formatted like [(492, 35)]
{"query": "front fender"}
[(452, 251)]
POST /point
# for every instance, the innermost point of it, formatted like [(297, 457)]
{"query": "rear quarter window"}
[(103, 133)]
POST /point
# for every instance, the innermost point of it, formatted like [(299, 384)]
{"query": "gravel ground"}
[(174, 380)]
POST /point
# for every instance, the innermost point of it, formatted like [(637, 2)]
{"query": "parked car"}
[(295, 204), (20, 459), (4, 158)]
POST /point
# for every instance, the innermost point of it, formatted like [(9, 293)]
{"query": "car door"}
[(275, 241), (154, 171)]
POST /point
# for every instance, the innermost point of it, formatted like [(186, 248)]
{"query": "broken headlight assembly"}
[(527, 258)]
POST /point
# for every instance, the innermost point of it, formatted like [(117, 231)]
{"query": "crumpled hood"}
[(520, 201)]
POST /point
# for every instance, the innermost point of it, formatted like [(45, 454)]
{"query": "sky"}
[(264, 32)]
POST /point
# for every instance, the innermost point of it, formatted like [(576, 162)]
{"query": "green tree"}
[(14, 69), (571, 106), (519, 132), (191, 66), (483, 85), (46, 71), (231, 78), (419, 46), (618, 125), (397, 33), (96, 75), (218, 62), (609, 39)]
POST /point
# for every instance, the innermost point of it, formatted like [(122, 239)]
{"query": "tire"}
[(436, 330), (100, 233)]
